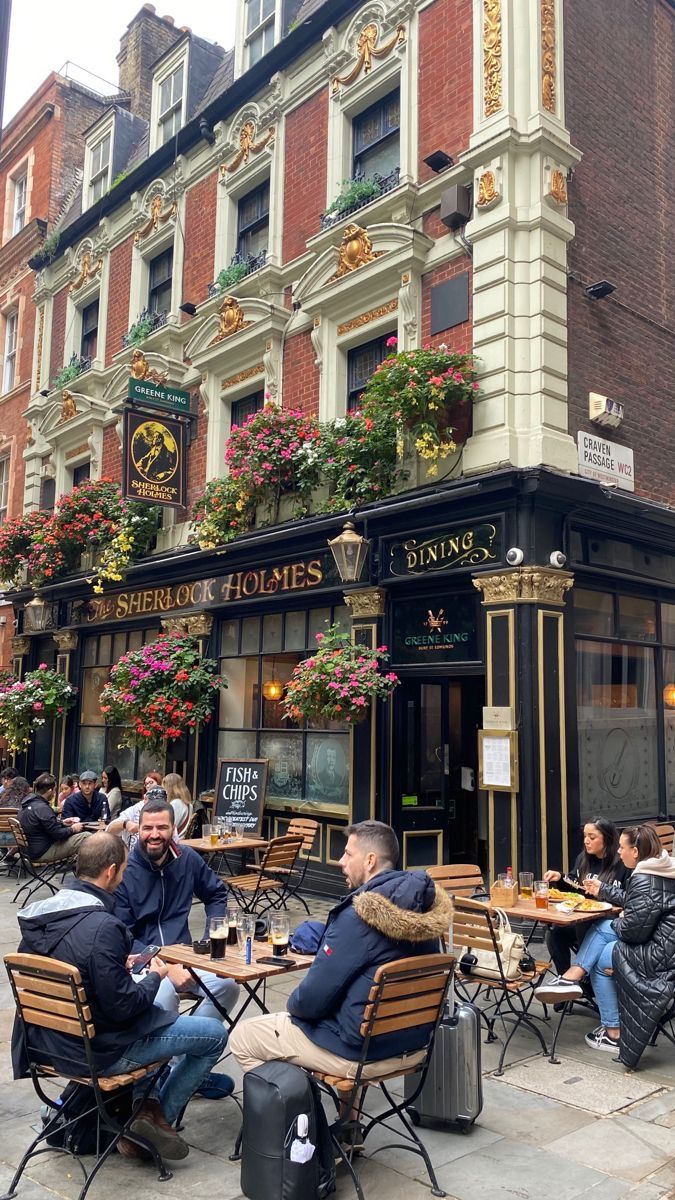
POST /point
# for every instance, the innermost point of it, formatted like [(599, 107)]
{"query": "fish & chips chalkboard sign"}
[(240, 791)]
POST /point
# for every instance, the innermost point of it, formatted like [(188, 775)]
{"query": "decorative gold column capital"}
[(20, 644), (174, 624), (66, 640), (199, 625), (525, 585), (366, 602)]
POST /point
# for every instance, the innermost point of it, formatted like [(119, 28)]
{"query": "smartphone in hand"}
[(144, 958)]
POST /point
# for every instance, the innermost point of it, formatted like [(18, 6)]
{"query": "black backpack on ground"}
[(275, 1095), (80, 1136)]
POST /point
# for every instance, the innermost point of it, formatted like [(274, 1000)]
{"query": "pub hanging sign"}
[(154, 459), (450, 550)]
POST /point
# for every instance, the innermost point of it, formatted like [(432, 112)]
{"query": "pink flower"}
[(38, 705), (43, 667), (392, 341)]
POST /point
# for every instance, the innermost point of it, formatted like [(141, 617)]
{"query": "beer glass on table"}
[(541, 894), (232, 914), (525, 885), (218, 932), (280, 927)]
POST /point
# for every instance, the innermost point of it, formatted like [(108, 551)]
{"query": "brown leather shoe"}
[(129, 1149), (151, 1124)]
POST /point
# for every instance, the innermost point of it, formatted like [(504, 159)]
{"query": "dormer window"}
[(170, 112), (259, 35), (99, 177), (20, 196)]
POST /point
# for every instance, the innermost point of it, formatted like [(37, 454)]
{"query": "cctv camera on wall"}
[(557, 558), (514, 556)]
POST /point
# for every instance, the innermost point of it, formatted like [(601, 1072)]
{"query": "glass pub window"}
[(376, 138), (259, 28), (4, 487), (99, 743), (9, 368), (100, 169), (20, 195), (161, 270), (361, 363), (170, 105), (244, 408), (253, 221), (89, 340), (80, 473)]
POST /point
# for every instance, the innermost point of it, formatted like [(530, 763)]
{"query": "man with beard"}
[(154, 901), (388, 914)]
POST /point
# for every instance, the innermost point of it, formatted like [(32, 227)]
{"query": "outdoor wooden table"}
[(252, 976), (241, 845)]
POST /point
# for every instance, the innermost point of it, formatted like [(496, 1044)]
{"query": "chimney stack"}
[(147, 37)]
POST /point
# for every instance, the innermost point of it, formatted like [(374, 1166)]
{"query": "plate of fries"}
[(583, 904)]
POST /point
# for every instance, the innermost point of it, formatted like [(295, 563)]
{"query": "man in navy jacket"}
[(89, 804), (388, 914), (77, 925)]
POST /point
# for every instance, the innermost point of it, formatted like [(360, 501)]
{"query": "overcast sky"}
[(45, 35)]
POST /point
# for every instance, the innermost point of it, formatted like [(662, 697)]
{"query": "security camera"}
[(557, 558), (514, 556)]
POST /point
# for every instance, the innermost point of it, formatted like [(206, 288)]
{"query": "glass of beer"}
[(525, 885), (218, 932), (207, 830), (232, 914), (245, 930), (280, 927), (541, 894)]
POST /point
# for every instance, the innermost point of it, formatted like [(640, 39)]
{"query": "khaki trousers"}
[(65, 849), (274, 1036)]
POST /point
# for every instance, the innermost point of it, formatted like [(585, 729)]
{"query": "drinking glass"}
[(238, 830), (525, 884), (232, 914), (541, 894), (207, 830), (280, 927), (218, 931), (245, 930)]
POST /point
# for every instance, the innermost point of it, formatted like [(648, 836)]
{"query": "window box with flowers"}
[(27, 704), (161, 692), (268, 458), (17, 537), (338, 681)]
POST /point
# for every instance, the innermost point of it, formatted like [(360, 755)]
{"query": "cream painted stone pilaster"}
[(520, 152)]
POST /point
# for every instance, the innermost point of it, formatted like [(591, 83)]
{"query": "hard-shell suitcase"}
[(453, 1089)]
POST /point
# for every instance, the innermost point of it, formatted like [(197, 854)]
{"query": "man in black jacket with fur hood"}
[(388, 914)]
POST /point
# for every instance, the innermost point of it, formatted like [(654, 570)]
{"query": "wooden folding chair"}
[(50, 994), (305, 828), (460, 879), (5, 828), (39, 874), (407, 994), (509, 1000), (665, 834), (267, 886)]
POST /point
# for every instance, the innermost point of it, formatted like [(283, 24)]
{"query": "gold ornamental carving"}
[(68, 407), (231, 318), (525, 585), (242, 376), (367, 49), (356, 250), (247, 146), (558, 189), (492, 56), (200, 625), (66, 640), (87, 272), (76, 450), (174, 624), (140, 369), (366, 317), (158, 216), (40, 340), (487, 190), (368, 602), (548, 54), (20, 645)]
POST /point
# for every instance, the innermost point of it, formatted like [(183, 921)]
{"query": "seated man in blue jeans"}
[(78, 926)]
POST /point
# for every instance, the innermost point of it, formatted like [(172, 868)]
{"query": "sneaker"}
[(215, 1087), (558, 991), (599, 1039)]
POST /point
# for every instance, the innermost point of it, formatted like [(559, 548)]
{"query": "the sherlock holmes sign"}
[(249, 584), (449, 550), (154, 459)]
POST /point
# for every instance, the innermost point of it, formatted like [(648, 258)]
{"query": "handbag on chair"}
[(513, 948)]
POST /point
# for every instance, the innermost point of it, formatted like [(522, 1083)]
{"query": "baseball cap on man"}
[(88, 777), (156, 793)]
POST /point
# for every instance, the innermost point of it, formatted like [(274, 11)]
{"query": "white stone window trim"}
[(169, 234), (93, 289), (5, 480), (55, 439), (242, 38), (10, 349), (20, 201), (232, 187), (23, 169), (103, 128), (180, 57)]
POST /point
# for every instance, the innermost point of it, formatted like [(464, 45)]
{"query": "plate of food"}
[(583, 904)]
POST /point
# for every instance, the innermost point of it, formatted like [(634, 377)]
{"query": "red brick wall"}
[(196, 456), (200, 239), (111, 457), (620, 108), (460, 338), (118, 298), (58, 334), (304, 173), (301, 376), (445, 75)]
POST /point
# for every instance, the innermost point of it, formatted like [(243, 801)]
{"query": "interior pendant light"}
[(273, 689)]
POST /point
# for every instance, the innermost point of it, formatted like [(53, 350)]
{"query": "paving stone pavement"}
[(526, 1145)]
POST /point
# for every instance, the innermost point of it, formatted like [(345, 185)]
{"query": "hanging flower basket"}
[(161, 692), (338, 681), (26, 704)]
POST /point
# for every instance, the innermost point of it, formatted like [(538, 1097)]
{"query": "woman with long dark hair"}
[(112, 786), (598, 871)]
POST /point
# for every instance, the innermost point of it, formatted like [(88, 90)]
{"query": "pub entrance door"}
[(435, 769)]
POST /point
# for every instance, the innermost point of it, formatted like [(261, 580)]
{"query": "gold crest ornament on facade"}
[(492, 56), (487, 190), (158, 216), (548, 54), (367, 49), (525, 585), (87, 272), (68, 406), (140, 368), (247, 146), (356, 250), (231, 318), (558, 189)]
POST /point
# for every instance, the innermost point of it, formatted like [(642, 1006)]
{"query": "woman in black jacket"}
[(599, 859)]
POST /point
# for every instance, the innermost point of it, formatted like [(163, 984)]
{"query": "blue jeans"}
[(199, 1043), (595, 956), (226, 992)]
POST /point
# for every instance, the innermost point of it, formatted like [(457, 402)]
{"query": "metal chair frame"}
[(306, 828), (261, 890), (49, 993), (39, 874)]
